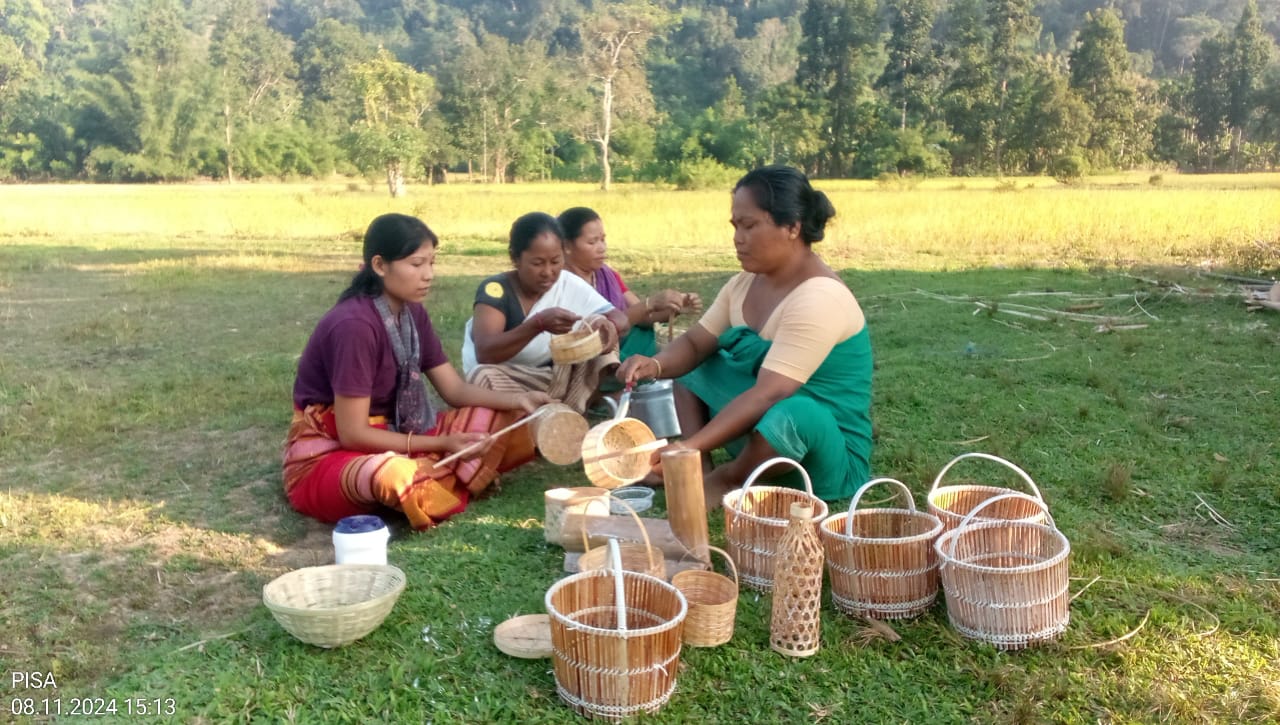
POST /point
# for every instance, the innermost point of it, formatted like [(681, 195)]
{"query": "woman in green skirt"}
[(780, 364)]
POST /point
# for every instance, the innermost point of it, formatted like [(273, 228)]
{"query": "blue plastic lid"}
[(359, 524)]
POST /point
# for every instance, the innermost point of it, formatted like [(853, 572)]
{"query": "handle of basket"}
[(951, 552), (848, 522), (496, 434), (609, 500), (710, 548), (642, 448), (987, 456), (619, 590), (808, 484)]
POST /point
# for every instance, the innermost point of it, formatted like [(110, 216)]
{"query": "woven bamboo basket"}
[(604, 670), (617, 434), (329, 606), (881, 561), (756, 518), (1006, 582), (642, 557), (578, 345), (713, 603), (952, 503), (558, 431)]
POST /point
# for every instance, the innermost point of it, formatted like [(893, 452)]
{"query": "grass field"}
[(150, 339)]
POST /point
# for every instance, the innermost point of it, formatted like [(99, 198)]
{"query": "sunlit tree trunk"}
[(395, 178)]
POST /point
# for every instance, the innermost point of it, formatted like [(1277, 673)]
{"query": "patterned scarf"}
[(606, 283), (413, 408)]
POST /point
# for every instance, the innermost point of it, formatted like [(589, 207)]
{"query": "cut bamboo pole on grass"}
[(686, 501), (483, 441)]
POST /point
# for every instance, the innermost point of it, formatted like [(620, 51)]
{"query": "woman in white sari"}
[(507, 342)]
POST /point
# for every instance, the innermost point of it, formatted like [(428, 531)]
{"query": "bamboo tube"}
[(686, 506)]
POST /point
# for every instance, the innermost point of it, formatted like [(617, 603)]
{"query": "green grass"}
[(144, 387)]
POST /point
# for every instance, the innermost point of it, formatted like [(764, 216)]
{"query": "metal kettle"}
[(654, 403)]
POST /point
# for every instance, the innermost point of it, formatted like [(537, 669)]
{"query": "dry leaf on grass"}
[(875, 630)]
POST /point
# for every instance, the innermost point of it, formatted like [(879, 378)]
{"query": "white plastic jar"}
[(360, 540)]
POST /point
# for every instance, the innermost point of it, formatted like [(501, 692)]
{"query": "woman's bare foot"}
[(714, 486)]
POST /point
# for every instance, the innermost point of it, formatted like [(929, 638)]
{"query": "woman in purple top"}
[(364, 434), (585, 255)]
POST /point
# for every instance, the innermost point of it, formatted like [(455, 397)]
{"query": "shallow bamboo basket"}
[(576, 346), (756, 518), (617, 434), (881, 561), (558, 503), (642, 557), (601, 670), (952, 503), (1006, 582), (333, 605), (713, 603), (558, 431)]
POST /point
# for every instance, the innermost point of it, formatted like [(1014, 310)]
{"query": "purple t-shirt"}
[(350, 354)]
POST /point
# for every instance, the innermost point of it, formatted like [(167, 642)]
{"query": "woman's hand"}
[(638, 367), (664, 305), (692, 303), (451, 444), (530, 401), (655, 460), (556, 320)]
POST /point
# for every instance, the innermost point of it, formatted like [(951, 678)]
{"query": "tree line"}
[(685, 92)]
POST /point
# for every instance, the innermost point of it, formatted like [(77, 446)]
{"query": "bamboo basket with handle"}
[(1006, 581), (558, 431), (617, 434), (578, 345), (953, 502), (881, 561), (615, 641), (713, 602), (756, 518), (644, 558)]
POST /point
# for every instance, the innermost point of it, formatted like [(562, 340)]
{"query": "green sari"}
[(639, 341), (825, 425)]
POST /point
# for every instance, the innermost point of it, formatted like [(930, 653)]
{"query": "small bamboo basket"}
[(615, 641), (881, 561), (329, 606), (558, 431), (756, 518), (1006, 582), (617, 434), (713, 603), (644, 558), (578, 345), (952, 503)]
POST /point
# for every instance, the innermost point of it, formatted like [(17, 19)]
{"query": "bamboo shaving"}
[(1217, 623), (1213, 513)]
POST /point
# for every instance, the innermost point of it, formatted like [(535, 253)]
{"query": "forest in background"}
[(688, 93)]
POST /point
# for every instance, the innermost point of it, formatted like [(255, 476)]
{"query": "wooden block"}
[(624, 528)]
